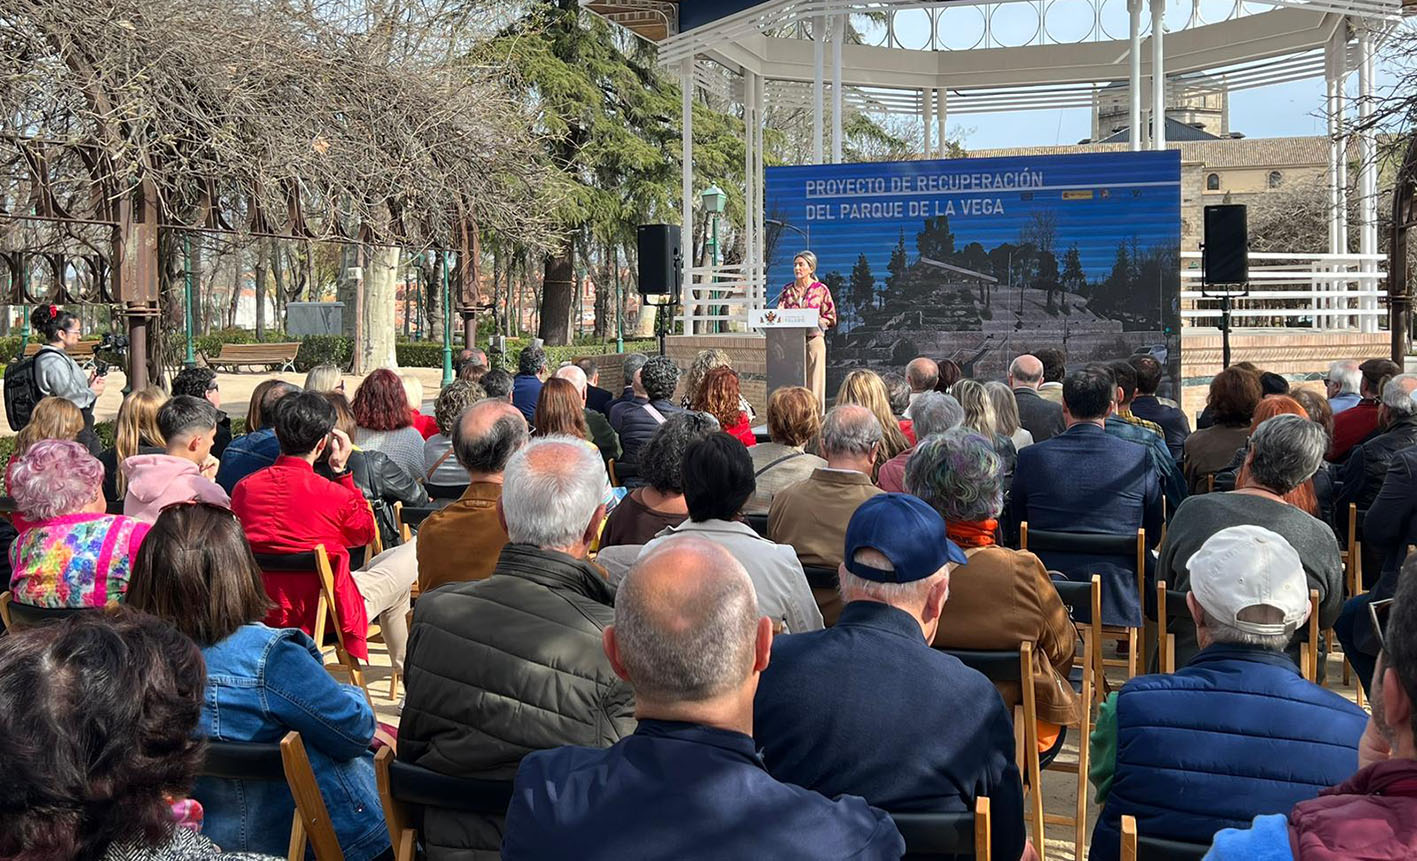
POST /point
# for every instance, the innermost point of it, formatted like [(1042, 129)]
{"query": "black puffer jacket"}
[(501, 667), (1362, 474), (383, 483)]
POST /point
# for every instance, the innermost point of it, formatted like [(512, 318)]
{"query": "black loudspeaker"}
[(1225, 256), (659, 259)]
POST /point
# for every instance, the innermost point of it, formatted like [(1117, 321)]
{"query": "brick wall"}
[(747, 354)]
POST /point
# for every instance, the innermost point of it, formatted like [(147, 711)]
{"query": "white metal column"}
[(927, 97), (1367, 167), (686, 236), (757, 275), (819, 51), (751, 121), (838, 36), (1134, 74), (1331, 106), (940, 111), (1158, 74), (1341, 59)]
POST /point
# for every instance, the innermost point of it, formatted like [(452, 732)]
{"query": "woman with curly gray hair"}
[(1000, 598)]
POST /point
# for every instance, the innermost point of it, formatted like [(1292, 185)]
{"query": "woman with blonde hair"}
[(865, 388), (980, 417), (324, 378), (136, 432), (53, 418), (1006, 420), (806, 292)]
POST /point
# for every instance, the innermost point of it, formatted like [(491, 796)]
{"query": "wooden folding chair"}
[(1073, 595), (610, 472), (314, 819), (1353, 583), (1169, 605), (409, 517), (405, 789), (1136, 847), (1063, 542), (1309, 654), (327, 609), (376, 544), (5, 608), (947, 836), (259, 761), (18, 616)]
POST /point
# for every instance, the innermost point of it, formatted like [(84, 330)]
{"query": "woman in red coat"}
[(718, 396)]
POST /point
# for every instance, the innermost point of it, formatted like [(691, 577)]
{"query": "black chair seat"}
[(1157, 849), (28, 615), (444, 491), (819, 577), (413, 515), (295, 563), (936, 835), (1091, 543), (758, 523), (997, 666), (421, 787), (237, 760)]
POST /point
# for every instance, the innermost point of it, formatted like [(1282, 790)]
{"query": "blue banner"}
[(978, 260)]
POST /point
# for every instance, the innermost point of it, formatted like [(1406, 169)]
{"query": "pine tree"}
[(1074, 278), (861, 289), (936, 241), (897, 266)]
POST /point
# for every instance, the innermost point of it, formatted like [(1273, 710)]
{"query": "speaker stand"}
[(1225, 297)]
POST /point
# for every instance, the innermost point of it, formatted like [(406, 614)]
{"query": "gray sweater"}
[(61, 377), (1200, 517)]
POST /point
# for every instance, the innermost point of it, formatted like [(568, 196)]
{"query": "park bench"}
[(78, 352), (277, 356)]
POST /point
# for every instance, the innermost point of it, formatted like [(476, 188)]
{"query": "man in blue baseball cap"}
[(868, 708)]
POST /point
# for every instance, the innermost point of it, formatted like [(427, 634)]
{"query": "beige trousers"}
[(817, 369), (386, 582)]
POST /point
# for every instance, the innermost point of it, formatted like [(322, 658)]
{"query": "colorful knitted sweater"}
[(75, 560)]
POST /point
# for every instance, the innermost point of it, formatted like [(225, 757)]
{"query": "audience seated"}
[(185, 470), (1041, 417), (197, 572), (898, 394), (1234, 394), (793, 422), (999, 598), (829, 713), (560, 412), (98, 715), (1283, 452), (501, 667), (864, 388), (811, 515), (1303, 496), (597, 425), (922, 374), (441, 470), (1389, 528), (1355, 424), (324, 378), (287, 508), (688, 782), (718, 480), (1342, 384), (596, 398), (1146, 405), (950, 374), (630, 367), (1362, 474), (1123, 425), (720, 397), (69, 552), (659, 503), (381, 481), (1054, 369), (52, 418), (637, 418), (201, 383), (498, 384), (384, 422), (1007, 423), (1317, 408), (526, 386), (1273, 384), (979, 417), (462, 541), (935, 413), (1235, 733), (1085, 480), (471, 365), (258, 447), (135, 432), (413, 393), (694, 379), (1207, 415), (1373, 813)]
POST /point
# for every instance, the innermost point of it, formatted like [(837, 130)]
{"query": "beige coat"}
[(811, 515)]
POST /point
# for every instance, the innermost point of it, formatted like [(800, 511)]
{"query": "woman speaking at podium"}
[(806, 291)]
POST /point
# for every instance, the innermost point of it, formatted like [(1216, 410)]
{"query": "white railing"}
[(718, 298), (1316, 291)]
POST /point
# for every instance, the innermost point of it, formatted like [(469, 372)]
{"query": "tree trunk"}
[(433, 297), (347, 286), (381, 276), (557, 295), (278, 277), (262, 257), (237, 267), (604, 296)]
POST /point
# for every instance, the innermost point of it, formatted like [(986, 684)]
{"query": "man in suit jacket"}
[(1040, 417), (1085, 480), (596, 398), (1147, 406)]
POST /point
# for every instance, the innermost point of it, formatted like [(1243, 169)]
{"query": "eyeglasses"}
[(1378, 612), (213, 387)]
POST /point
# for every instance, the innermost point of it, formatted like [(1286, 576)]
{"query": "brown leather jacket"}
[(462, 541)]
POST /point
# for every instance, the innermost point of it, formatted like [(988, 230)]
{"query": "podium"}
[(786, 332)]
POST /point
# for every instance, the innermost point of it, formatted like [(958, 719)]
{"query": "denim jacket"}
[(246, 454), (261, 683)]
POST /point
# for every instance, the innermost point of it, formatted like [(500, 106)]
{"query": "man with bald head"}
[(601, 433), (688, 637), (921, 374), (511, 664), (461, 542), (1039, 416)]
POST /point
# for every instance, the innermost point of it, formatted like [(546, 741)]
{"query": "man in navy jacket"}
[(526, 386), (1085, 480), (1237, 733), (688, 783), (867, 708)]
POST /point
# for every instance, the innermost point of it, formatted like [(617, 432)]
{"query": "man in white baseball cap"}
[(1236, 733)]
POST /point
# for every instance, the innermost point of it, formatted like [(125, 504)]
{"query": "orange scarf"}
[(973, 533)]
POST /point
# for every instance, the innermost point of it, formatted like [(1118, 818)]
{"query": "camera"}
[(115, 345)]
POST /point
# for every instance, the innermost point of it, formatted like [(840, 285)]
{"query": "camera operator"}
[(58, 375)]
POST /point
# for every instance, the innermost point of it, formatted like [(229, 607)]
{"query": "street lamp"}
[(713, 199)]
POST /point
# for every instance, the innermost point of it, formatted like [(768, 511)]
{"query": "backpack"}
[(21, 391)]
